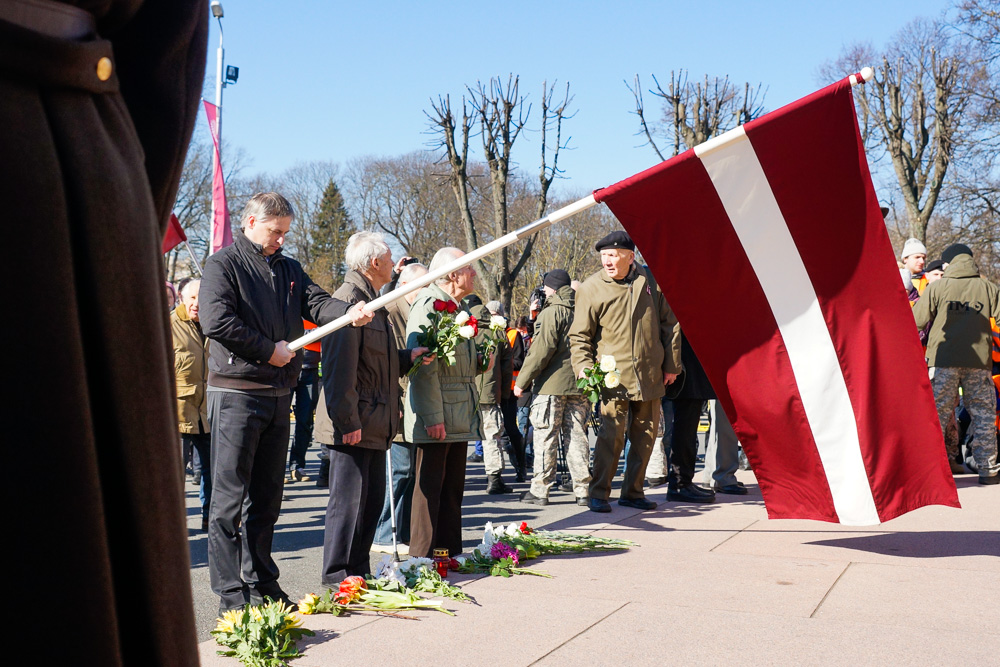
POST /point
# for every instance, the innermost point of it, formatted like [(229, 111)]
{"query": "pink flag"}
[(772, 252), (222, 233)]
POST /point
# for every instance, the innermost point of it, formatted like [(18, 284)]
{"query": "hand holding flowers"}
[(495, 334), (604, 374)]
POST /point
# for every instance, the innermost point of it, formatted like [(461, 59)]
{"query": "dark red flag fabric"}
[(174, 235), (770, 247)]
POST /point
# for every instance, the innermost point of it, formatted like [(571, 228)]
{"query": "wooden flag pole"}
[(461, 262)]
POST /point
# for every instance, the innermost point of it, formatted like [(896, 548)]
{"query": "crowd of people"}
[(395, 422)]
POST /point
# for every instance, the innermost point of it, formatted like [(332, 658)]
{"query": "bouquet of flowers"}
[(504, 548), (604, 374), (420, 575), (360, 594), (262, 636), (448, 327), (496, 332)]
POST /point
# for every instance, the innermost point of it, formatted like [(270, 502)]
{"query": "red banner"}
[(174, 235), (222, 233)]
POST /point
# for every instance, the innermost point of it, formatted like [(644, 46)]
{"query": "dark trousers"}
[(249, 445), (201, 445), (306, 397), (357, 488), (508, 408), (436, 514), (683, 451), (403, 479)]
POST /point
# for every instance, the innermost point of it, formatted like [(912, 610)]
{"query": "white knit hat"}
[(913, 247)]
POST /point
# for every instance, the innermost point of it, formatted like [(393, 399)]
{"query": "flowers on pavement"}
[(260, 636)]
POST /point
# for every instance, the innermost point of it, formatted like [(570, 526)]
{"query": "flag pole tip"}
[(867, 73)]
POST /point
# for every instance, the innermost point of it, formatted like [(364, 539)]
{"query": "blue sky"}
[(334, 81)]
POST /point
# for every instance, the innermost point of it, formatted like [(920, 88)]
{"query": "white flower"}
[(612, 379), (498, 322), (608, 363), (512, 530), (383, 566), (461, 318), (468, 331), (413, 564), (387, 569), (489, 538)]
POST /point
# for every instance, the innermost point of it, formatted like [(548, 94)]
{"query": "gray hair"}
[(443, 257), (264, 205), (411, 272), (188, 284), (362, 248)]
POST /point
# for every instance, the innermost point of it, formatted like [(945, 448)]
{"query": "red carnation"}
[(440, 304)]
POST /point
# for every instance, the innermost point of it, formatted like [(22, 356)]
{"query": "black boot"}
[(495, 485), (323, 480)]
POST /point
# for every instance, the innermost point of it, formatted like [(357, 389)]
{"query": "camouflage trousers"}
[(980, 402), (492, 433), (555, 418)]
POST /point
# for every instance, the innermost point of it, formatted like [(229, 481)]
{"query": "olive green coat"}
[(959, 308), (548, 362), (631, 321), (490, 385), (190, 371), (439, 393)]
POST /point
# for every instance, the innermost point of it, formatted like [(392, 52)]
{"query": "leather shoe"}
[(957, 468), (734, 489), (583, 501), (638, 503), (992, 479), (687, 494), (700, 490), (598, 505), (529, 497), (475, 458), (656, 481)]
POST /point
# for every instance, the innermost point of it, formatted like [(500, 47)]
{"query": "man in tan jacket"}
[(621, 312), (191, 373)]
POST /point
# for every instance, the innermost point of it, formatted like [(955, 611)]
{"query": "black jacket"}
[(247, 305), (696, 385)]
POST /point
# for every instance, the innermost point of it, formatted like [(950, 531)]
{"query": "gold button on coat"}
[(104, 69)]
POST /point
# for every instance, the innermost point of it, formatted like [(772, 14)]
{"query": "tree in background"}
[(693, 113), (330, 228), (501, 113)]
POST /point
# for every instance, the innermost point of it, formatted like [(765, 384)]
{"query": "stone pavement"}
[(715, 584)]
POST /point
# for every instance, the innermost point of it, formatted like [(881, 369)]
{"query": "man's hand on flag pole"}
[(360, 315), (281, 355)]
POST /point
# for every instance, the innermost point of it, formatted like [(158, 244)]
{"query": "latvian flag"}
[(770, 247)]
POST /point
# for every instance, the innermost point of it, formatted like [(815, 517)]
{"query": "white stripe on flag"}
[(753, 210)]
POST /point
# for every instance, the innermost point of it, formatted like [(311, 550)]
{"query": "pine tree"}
[(329, 234)]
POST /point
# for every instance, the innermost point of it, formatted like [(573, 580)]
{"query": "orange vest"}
[(512, 335), (996, 381), (996, 339), (314, 346), (920, 283)]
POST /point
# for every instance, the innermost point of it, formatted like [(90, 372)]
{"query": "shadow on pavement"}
[(933, 544)]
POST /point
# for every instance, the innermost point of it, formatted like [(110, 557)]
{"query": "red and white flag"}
[(174, 236), (770, 247), (222, 233)]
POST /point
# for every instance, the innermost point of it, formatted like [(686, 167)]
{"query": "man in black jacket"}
[(253, 300)]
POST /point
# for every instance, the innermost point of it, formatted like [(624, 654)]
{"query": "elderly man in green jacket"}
[(621, 312), (959, 307), (559, 409)]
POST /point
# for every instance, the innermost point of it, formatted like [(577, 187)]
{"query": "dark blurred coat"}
[(89, 175)]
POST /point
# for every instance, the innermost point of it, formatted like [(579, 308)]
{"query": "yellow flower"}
[(307, 605), (229, 620), (292, 621), (255, 614)]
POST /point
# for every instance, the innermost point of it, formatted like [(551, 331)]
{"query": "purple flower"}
[(501, 550)]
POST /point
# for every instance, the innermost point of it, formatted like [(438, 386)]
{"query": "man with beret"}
[(959, 307), (559, 409), (621, 312)]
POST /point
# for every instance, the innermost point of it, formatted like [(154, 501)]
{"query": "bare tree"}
[(501, 113), (695, 112)]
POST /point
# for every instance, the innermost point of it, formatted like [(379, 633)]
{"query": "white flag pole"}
[(193, 258), (461, 262)]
